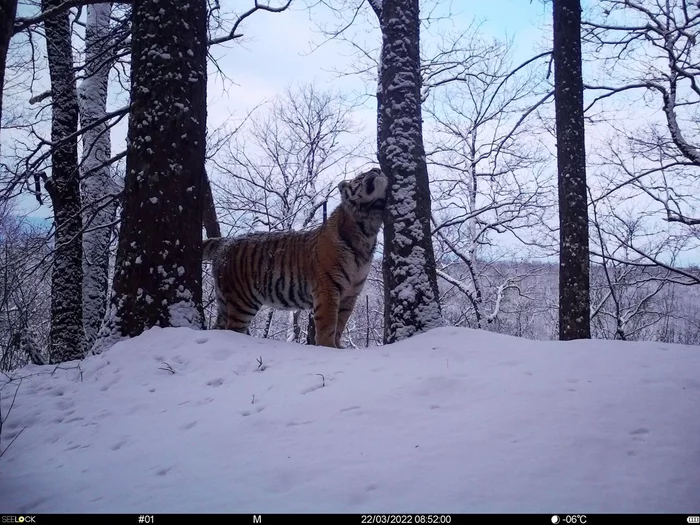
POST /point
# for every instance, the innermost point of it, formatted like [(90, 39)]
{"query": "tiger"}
[(322, 269)]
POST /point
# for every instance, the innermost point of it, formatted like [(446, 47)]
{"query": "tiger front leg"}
[(326, 318), (346, 306)]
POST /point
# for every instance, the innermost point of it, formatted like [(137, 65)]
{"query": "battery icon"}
[(693, 519)]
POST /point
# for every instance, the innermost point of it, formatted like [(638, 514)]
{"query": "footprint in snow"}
[(216, 382), (109, 385), (64, 404), (188, 425), (298, 423), (639, 432), (118, 444), (201, 340), (311, 389), (246, 413)]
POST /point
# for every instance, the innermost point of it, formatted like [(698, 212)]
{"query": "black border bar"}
[(341, 519)]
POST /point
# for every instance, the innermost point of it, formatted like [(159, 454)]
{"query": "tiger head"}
[(366, 193)]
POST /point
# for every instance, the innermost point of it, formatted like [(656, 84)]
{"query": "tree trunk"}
[(367, 312), (311, 332), (158, 274), (67, 335), (211, 222), (296, 326), (268, 324), (8, 9), (411, 300), (574, 299), (97, 184)]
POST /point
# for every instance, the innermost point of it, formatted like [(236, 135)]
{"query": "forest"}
[(544, 188)]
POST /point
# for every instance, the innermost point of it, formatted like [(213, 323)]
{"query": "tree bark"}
[(311, 332), (8, 9), (158, 274), (411, 300), (211, 222), (574, 293), (67, 335), (97, 184)]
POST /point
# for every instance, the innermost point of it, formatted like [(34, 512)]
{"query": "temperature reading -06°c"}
[(570, 519)]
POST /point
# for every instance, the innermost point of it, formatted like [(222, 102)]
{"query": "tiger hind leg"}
[(238, 318), (220, 323)]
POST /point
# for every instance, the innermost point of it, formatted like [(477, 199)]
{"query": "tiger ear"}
[(342, 186)]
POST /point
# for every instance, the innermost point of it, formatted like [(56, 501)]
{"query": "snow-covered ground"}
[(450, 421)]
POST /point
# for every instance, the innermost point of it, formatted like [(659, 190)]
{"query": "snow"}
[(451, 420)]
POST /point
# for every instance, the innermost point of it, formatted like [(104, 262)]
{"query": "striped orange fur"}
[(323, 269)]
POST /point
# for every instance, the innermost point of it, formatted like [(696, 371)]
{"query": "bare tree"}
[(158, 270), (411, 299), (24, 292), (8, 8), (67, 334), (624, 290), (99, 190), (650, 55), (574, 292), (489, 181)]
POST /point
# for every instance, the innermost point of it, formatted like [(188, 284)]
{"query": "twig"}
[(323, 379), (13, 440), (9, 410), (167, 368), (59, 367)]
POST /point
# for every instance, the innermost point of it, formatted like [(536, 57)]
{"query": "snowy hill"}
[(450, 421)]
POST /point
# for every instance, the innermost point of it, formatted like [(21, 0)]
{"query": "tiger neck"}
[(365, 224)]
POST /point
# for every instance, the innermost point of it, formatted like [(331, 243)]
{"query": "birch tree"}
[(158, 269), (574, 293), (98, 188), (411, 301)]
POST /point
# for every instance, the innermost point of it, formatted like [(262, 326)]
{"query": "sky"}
[(278, 49)]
